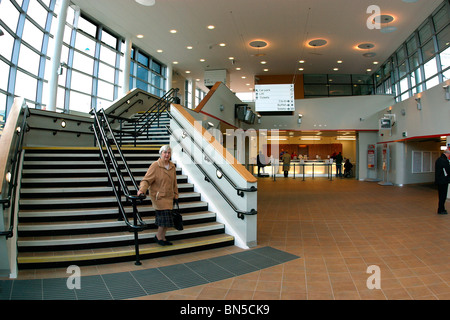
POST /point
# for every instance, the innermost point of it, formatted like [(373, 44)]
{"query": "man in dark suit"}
[(442, 179)]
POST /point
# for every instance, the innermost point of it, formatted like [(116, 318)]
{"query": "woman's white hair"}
[(164, 148)]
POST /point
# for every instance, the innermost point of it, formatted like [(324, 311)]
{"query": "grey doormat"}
[(126, 285)]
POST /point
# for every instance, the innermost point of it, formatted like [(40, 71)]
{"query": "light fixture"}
[(189, 47), (209, 125), (419, 103), (159, 51), (211, 27), (302, 61), (219, 174), (263, 62), (173, 31), (313, 138), (339, 61), (63, 123), (222, 44), (147, 3), (299, 120), (447, 91), (265, 70), (8, 177), (335, 69), (187, 71), (202, 60), (175, 62), (139, 36)]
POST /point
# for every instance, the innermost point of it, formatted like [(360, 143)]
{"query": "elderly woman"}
[(161, 179)]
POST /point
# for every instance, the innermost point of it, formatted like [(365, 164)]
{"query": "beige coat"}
[(162, 184)]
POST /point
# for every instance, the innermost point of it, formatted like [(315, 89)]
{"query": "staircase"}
[(68, 213)]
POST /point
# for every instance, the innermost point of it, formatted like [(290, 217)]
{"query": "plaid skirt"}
[(163, 218)]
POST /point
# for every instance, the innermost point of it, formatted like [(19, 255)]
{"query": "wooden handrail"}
[(208, 96), (8, 136), (244, 173)]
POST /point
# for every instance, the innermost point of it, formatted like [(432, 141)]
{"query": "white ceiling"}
[(287, 25)]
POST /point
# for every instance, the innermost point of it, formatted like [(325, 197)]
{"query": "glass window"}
[(414, 61), (404, 85), (416, 77), (445, 59), (432, 82), (7, 45), (105, 90), (29, 60), (446, 74), (83, 62), (156, 67), (316, 90), (441, 18), (142, 73), (109, 39), (38, 13), (85, 44), (401, 55), (81, 82), (9, 15), (315, 78), (428, 50), (142, 59), (430, 68), (32, 35), (107, 55), (411, 45), (141, 85), (402, 70), (339, 78), (4, 75), (80, 102), (87, 27), (106, 72), (25, 86), (443, 38), (425, 32), (340, 90)]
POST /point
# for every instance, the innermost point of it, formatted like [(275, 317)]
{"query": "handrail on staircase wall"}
[(104, 136), (9, 200)]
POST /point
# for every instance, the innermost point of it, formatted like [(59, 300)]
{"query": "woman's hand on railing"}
[(141, 194)]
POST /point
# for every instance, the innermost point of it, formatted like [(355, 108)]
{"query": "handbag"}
[(177, 218)]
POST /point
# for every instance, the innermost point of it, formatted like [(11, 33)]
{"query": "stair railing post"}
[(136, 236)]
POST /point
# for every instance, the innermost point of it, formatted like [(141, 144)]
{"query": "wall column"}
[(126, 69), (53, 83)]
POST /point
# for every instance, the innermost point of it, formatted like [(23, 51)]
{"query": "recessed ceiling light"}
[(159, 50), (247, 84), (231, 58), (173, 31), (211, 27), (301, 69), (302, 61), (375, 62), (335, 69), (175, 62), (265, 70), (147, 3), (222, 44), (238, 68), (368, 70), (243, 77), (339, 61), (189, 47), (140, 36), (187, 71), (263, 62), (202, 60)]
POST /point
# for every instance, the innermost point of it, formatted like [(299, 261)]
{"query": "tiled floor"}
[(338, 228)]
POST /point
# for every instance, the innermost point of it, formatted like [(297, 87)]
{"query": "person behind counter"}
[(286, 158)]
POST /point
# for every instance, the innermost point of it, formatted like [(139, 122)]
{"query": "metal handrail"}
[(155, 111), (240, 213), (109, 160), (240, 191), (9, 201)]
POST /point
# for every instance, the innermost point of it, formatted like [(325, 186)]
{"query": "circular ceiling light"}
[(317, 43), (385, 18), (366, 46), (258, 44), (147, 3), (211, 27), (369, 54)]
